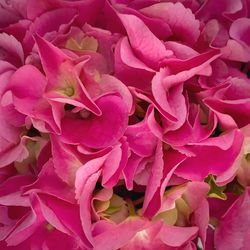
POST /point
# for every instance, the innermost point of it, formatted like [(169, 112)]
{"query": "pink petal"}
[(11, 50), (110, 84), (49, 183), (63, 216), (212, 9), (177, 236), (129, 68), (115, 164), (7, 17), (130, 170), (158, 27), (226, 146), (65, 161), (28, 98), (180, 19), (10, 191), (239, 31), (146, 46), (233, 230), (13, 153), (150, 206), (98, 131), (51, 21), (85, 204), (119, 235), (62, 75), (51, 58), (170, 98), (140, 138)]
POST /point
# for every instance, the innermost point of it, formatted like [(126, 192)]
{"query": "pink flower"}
[(233, 228), (124, 124)]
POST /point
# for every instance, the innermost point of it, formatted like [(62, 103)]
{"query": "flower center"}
[(69, 91)]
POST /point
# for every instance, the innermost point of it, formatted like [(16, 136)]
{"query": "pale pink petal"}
[(224, 149), (180, 19), (146, 46), (119, 235), (177, 236)]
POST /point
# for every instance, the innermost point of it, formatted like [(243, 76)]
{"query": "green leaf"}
[(215, 191)]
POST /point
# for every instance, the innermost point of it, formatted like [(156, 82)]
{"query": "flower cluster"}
[(125, 124)]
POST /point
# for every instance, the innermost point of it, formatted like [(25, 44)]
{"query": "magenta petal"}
[(126, 231), (64, 216), (110, 84), (146, 46), (19, 86), (233, 230), (235, 51), (180, 19), (28, 99), (27, 225), (7, 224), (172, 159), (216, 10), (169, 98), (157, 26), (239, 31), (130, 170), (51, 57), (177, 236), (98, 131), (195, 195), (140, 138), (87, 170), (65, 161), (85, 204), (232, 100), (10, 191), (223, 147), (49, 183), (150, 206), (11, 50), (7, 17), (62, 75), (129, 68), (115, 164), (13, 153), (51, 21)]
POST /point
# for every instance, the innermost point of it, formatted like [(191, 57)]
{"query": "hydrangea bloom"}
[(124, 124)]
